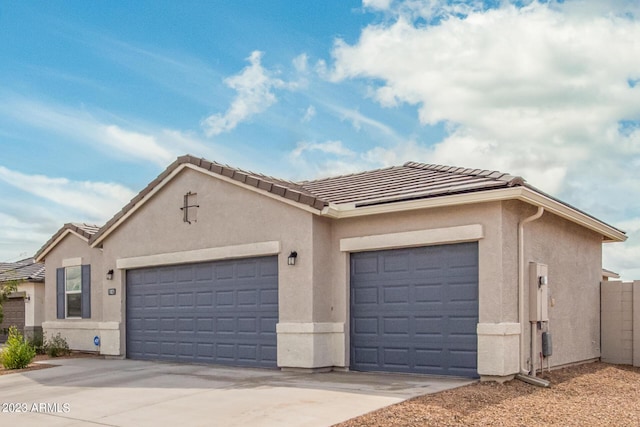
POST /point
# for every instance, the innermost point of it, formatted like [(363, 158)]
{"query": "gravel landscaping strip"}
[(593, 394)]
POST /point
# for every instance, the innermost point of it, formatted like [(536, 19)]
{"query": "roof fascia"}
[(53, 244), (196, 168), (610, 234), (273, 196)]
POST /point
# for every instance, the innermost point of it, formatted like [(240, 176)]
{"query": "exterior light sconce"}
[(292, 258), (110, 275), (27, 298)]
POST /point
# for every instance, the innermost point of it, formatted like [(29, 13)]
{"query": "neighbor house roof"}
[(84, 231), (610, 274), (410, 186), (26, 269)]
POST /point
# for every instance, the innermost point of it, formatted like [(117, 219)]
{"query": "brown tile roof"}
[(409, 181), (22, 270)]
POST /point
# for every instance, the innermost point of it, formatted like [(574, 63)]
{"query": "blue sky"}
[(97, 98)]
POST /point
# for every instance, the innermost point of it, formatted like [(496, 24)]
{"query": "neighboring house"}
[(414, 268), (25, 307), (609, 275)]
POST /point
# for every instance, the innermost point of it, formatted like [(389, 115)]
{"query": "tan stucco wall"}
[(79, 333), (573, 255), (313, 328), (492, 266), (227, 216)]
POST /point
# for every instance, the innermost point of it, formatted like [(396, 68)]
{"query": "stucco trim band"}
[(498, 349), (201, 255), (434, 236), (71, 262), (499, 329), (311, 345), (81, 324)]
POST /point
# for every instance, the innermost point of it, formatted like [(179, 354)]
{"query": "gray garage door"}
[(216, 312), (415, 310)]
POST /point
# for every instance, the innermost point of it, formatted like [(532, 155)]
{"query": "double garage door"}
[(215, 312), (412, 310), (415, 310)]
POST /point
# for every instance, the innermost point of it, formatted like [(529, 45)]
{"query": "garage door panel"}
[(268, 325), (396, 326), (396, 295), (268, 298), (268, 268), (365, 326), (394, 263), (395, 357), (365, 295), (216, 312), (366, 264), (415, 310), (248, 298)]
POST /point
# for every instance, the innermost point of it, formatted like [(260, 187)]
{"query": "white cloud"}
[(536, 91), (329, 147), (321, 159), (309, 114), (254, 87), (136, 144), (377, 4), (85, 200), (301, 63), (625, 258), (147, 143), (539, 91)]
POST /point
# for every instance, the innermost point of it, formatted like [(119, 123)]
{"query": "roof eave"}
[(609, 233)]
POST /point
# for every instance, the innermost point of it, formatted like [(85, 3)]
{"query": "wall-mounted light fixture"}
[(27, 298), (292, 258), (110, 275)]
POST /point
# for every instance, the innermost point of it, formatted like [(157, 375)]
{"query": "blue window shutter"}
[(60, 293), (86, 291)]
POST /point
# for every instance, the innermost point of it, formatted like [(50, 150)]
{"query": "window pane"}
[(73, 281), (74, 305)]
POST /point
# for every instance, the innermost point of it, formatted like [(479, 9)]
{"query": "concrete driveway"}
[(136, 393)]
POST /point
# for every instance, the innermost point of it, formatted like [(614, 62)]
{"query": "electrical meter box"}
[(538, 292)]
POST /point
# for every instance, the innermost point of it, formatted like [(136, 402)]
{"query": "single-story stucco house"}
[(25, 307), (414, 268)]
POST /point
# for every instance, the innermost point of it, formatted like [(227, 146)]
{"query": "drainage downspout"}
[(523, 372)]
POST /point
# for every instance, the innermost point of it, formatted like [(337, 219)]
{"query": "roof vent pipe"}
[(537, 215)]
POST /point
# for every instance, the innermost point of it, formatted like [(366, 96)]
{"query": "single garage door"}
[(415, 310), (216, 312), (13, 309)]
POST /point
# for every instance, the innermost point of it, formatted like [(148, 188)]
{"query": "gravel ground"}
[(594, 394)]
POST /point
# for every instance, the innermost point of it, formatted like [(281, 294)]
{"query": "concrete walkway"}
[(136, 393)]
